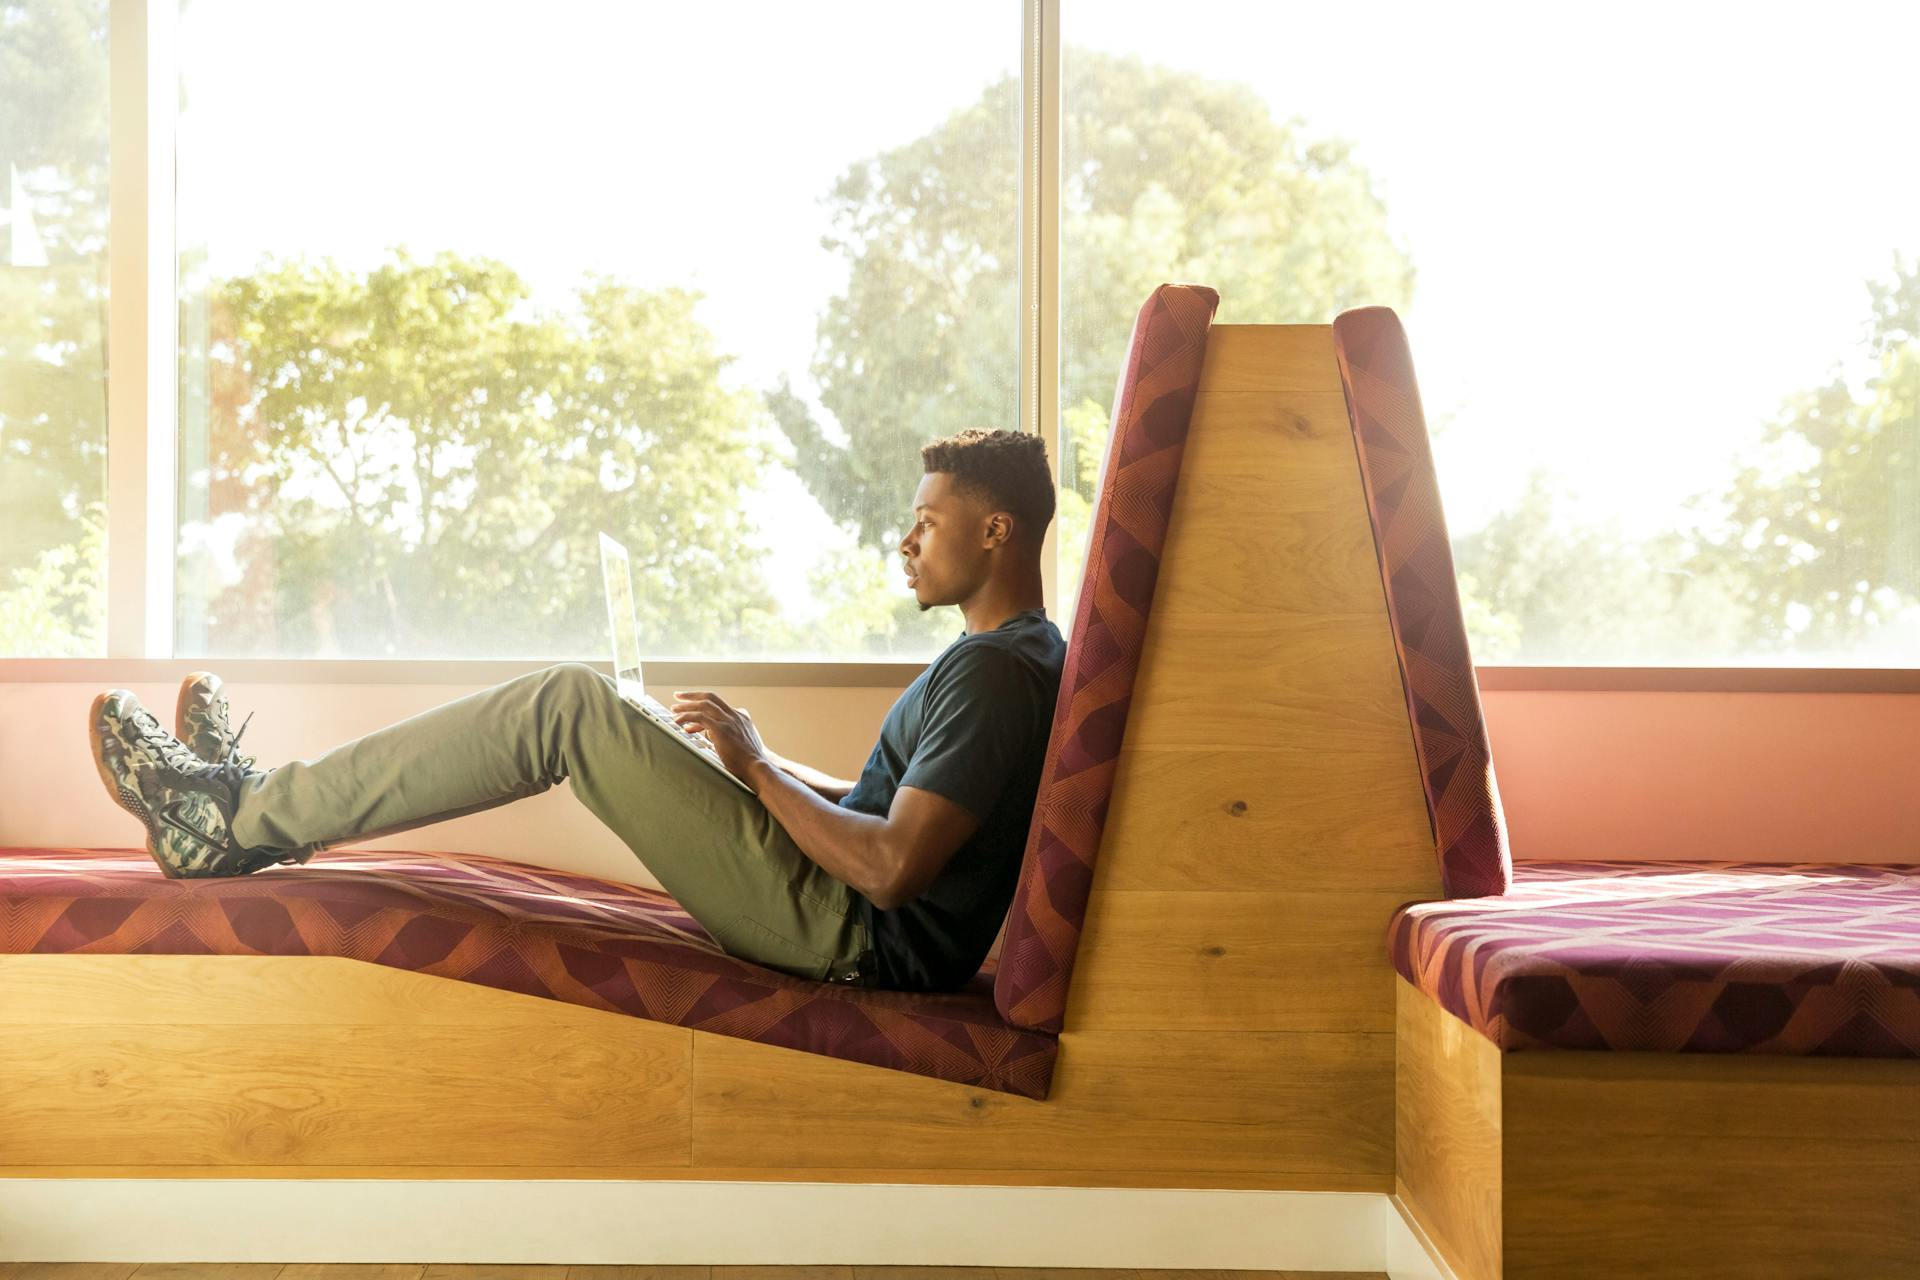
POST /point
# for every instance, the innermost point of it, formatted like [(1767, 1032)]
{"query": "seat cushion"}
[(505, 924), (1152, 409), (1690, 957), (1423, 602)]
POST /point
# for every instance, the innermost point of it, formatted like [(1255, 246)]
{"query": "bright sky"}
[(1636, 226)]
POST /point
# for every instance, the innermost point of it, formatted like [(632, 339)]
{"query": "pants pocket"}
[(751, 940)]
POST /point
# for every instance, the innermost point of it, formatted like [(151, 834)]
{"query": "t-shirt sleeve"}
[(979, 715)]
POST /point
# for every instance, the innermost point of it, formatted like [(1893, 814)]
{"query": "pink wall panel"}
[(1771, 776)]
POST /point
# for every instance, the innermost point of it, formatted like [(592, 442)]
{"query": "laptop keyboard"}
[(665, 717)]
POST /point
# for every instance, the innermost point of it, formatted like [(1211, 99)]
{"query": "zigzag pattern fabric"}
[(1423, 602), (1687, 957), (1153, 407), (598, 943)]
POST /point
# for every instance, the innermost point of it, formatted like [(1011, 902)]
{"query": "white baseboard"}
[(723, 1223), (1411, 1254)]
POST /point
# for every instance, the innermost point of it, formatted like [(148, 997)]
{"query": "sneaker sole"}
[(121, 796)]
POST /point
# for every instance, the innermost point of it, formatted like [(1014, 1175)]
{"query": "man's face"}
[(945, 551)]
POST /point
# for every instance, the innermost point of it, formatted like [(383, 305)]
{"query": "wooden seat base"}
[(1561, 1163), (301, 1066)]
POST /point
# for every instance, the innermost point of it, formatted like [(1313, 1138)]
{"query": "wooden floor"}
[(529, 1271)]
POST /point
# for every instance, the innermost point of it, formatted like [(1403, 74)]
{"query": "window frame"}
[(143, 428)]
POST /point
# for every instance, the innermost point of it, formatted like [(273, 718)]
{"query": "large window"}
[(1659, 265), (464, 284), (53, 401), (460, 285)]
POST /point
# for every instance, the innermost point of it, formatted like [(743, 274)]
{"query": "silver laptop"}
[(625, 624)]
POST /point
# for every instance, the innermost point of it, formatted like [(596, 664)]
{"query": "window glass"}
[(53, 299), (1659, 266), (465, 284)]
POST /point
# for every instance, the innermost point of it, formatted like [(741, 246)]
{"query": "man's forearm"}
[(850, 846), (822, 784)]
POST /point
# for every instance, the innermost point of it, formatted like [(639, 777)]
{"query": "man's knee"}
[(574, 674)]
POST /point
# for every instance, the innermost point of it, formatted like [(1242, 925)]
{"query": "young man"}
[(899, 879)]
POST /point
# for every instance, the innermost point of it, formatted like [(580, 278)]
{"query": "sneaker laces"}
[(170, 749), (233, 747)]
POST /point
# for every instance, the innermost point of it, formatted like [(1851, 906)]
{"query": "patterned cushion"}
[(1152, 408), (551, 934), (1423, 602), (1691, 957)]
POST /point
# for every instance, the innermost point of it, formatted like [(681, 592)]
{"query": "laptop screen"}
[(621, 617)]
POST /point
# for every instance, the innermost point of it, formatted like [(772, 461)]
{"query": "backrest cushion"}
[(1423, 602), (1152, 408)]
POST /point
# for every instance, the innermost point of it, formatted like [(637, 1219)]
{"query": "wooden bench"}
[(1229, 1019)]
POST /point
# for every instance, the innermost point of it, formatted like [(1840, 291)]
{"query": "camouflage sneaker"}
[(200, 720), (185, 803)]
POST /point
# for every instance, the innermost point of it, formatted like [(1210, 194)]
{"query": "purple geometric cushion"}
[(552, 934), (1686, 957), (1423, 602), (1152, 409)]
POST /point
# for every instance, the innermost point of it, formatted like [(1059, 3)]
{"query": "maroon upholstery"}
[(1703, 957), (1152, 408), (551, 934), (1423, 602)]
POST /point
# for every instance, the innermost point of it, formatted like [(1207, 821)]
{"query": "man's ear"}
[(999, 528)]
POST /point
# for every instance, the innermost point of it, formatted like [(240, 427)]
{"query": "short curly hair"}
[(1006, 469)]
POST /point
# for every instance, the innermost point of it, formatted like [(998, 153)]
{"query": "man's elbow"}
[(888, 896), (892, 888)]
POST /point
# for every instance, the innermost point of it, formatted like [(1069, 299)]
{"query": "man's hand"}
[(729, 729)]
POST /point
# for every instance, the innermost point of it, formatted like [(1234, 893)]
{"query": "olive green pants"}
[(712, 845)]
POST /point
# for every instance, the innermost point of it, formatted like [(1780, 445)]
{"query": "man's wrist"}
[(759, 771)]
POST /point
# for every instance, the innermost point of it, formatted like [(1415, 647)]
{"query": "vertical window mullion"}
[(140, 331), (1040, 253)]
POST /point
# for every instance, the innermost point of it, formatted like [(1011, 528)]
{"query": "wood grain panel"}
[(1834, 1207), (1291, 1105), (1448, 1134), (295, 990), (1305, 815), (1234, 961), (1711, 1165), (1715, 1094), (1271, 517), (1295, 450), (331, 1093), (1275, 358), (1211, 680)]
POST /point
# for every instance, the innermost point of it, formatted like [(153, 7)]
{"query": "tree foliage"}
[(1540, 586), (1825, 523), (53, 403), (425, 460), (1168, 176)]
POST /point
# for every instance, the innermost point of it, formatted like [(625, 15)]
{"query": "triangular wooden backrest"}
[(1152, 409), (1267, 810), (1423, 602)]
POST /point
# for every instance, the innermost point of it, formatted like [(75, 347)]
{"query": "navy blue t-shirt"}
[(972, 728)]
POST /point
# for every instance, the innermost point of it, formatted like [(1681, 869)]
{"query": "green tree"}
[(54, 607), (1539, 586), (1166, 175), (1827, 519), (424, 461), (53, 134)]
